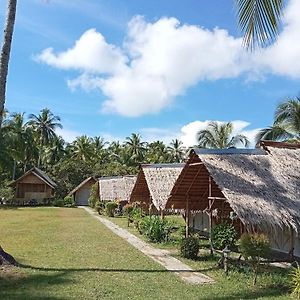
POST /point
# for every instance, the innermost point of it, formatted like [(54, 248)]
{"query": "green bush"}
[(69, 201), (157, 230), (99, 207), (58, 202), (189, 247), (295, 284), (6, 193), (94, 196), (254, 247), (110, 208), (223, 235)]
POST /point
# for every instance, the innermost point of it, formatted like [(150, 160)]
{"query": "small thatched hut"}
[(116, 188), (33, 185), (154, 184), (261, 187), (81, 193)]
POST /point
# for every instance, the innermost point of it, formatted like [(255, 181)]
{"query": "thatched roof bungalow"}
[(33, 185), (261, 186), (81, 193), (154, 184), (116, 188)]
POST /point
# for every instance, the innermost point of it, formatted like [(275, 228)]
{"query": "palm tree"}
[(177, 150), (44, 126), (5, 51), (219, 136), (82, 148), (286, 126), (136, 147), (157, 153), (259, 20), (55, 151)]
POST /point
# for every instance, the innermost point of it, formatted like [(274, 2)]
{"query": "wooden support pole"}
[(187, 217), (162, 214), (292, 244), (210, 214)]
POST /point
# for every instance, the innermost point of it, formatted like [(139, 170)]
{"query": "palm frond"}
[(259, 21)]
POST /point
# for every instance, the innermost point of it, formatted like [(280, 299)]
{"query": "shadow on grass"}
[(31, 286), (71, 270), (260, 293), (6, 207)]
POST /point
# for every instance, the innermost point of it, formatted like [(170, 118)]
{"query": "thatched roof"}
[(116, 188), (38, 173), (154, 183), (261, 185), (79, 186)]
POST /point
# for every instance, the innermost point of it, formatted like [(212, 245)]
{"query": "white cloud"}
[(161, 60), (91, 53), (67, 134)]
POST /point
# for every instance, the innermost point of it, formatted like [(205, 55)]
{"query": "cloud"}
[(159, 61), (67, 134), (188, 132)]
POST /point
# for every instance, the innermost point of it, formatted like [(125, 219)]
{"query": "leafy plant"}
[(254, 247), (69, 201), (58, 202), (94, 196), (189, 247), (295, 278), (6, 193), (157, 230), (110, 208), (223, 234), (99, 207)]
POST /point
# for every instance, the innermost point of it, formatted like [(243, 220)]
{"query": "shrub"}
[(223, 235), (295, 284), (155, 229), (69, 201), (94, 196), (6, 193), (254, 247), (189, 247), (99, 207), (110, 208), (58, 202)]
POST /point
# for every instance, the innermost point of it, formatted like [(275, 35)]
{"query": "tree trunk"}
[(5, 51), (6, 258)]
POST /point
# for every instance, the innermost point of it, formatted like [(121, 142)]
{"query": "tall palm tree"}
[(82, 148), (286, 126), (44, 126), (259, 20), (5, 51), (219, 136), (157, 153), (55, 151), (177, 150), (136, 147)]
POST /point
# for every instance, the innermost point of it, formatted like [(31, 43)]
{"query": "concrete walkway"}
[(160, 256)]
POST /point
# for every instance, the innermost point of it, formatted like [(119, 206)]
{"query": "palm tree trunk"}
[(4, 59), (5, 51)]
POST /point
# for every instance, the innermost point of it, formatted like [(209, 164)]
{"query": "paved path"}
[(160, 256)]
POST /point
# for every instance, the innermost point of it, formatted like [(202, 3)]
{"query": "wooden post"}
[(292, 246), (162, 214), (187, 217), (210, 215)]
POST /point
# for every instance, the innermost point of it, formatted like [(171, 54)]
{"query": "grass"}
[(66, 254)]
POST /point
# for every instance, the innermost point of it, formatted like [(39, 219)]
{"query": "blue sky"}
[(159, 68)]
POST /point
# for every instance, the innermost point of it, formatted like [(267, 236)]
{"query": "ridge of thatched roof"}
[(40, 174), (116, 188), (262, 188), (81, 185), (160, 180)]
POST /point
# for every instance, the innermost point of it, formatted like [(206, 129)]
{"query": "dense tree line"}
[(32, 141)]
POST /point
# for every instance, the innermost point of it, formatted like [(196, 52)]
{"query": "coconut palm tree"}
[(177, 150), (82, 148), (5, 51), (136, 147), (55, 150), (44, 126), (157, 153), (286, 126), (259, 20), (219, 136)]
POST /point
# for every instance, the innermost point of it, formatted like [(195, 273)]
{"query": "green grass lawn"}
[(67, 254)]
